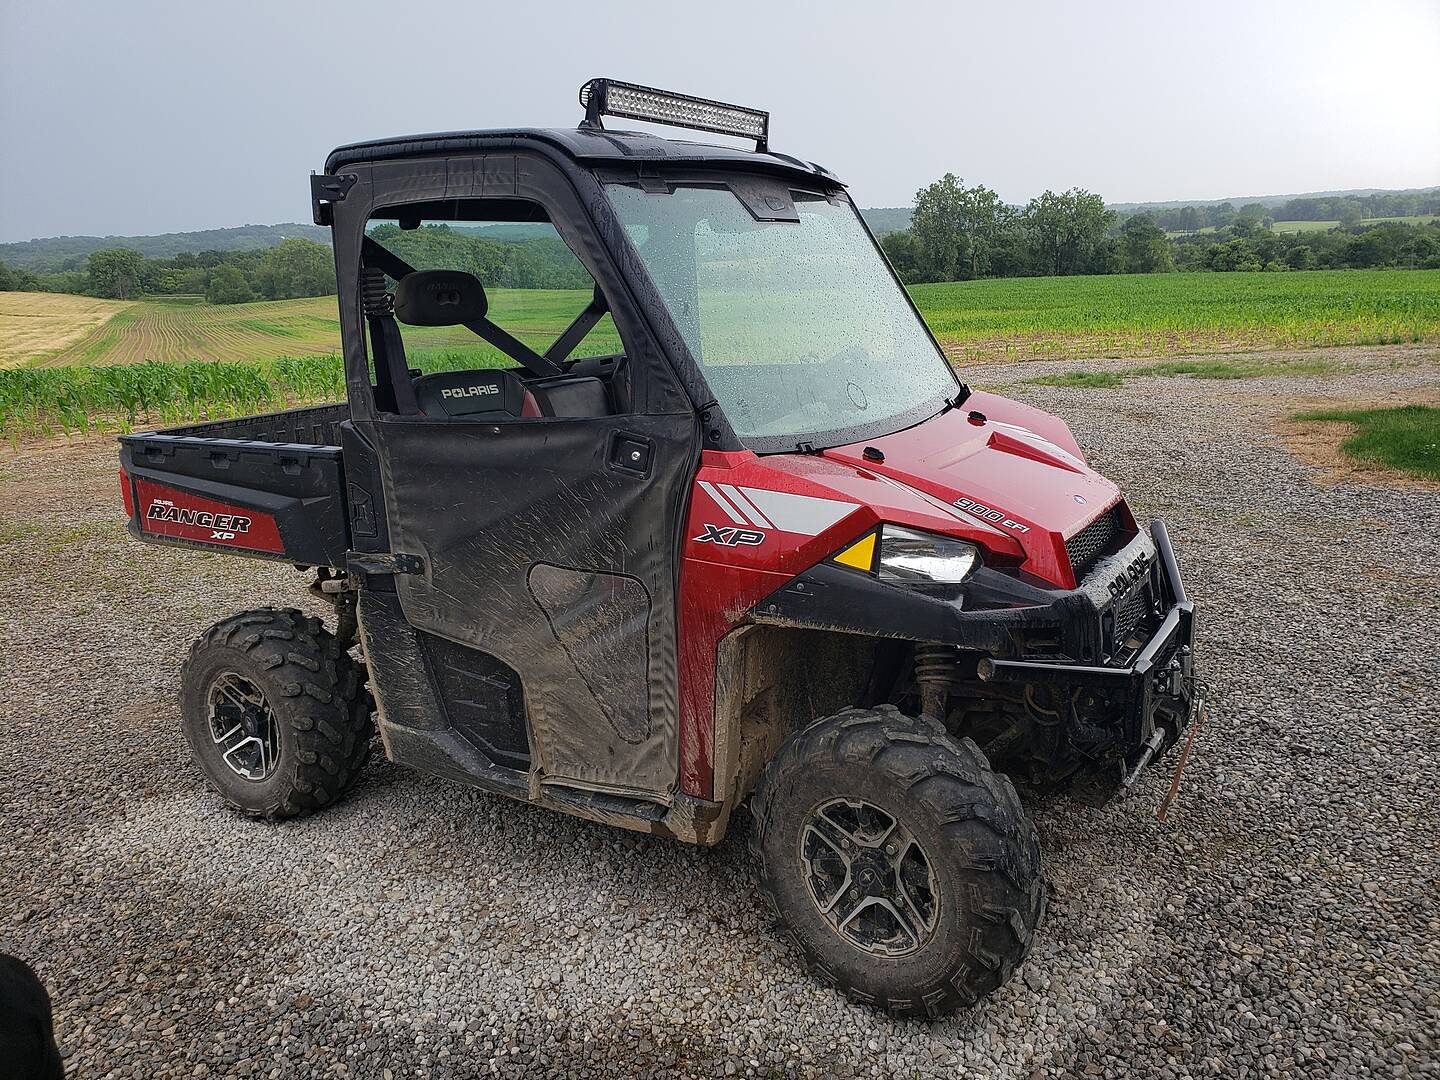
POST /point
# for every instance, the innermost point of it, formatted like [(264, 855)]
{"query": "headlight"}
[(907, 557)]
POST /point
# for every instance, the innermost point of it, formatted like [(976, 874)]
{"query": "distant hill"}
[(70, 252), (1265, 200), (890, 219), (884, 220), (887, 219), (509, 230)]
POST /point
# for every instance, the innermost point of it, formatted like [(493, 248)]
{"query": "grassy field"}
[(1304, 226), (1405, 438), (1170, 314), (71, 359), (1322, 226)]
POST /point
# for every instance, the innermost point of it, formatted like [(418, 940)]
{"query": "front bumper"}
[(1126, 630), (1156, 686)]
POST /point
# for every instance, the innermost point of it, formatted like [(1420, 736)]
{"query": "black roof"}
[(583, 144)]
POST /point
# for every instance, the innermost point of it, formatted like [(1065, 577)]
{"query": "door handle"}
[(631, 453)]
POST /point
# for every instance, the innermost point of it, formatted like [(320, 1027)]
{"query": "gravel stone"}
[(1284, 922)]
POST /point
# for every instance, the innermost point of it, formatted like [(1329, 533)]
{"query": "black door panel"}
[(542, 550)]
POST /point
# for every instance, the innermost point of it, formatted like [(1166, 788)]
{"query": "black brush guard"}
[(1156, 686)]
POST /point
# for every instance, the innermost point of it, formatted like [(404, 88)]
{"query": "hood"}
[(1000, 473)]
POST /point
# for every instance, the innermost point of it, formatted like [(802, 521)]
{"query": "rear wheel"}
[(275, 712), (906, 871)]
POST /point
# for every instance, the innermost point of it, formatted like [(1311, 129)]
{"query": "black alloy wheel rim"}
[(869, 877), (243, 727)]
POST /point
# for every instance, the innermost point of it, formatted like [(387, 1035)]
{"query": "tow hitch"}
[(1149, 750), (1200, 691)]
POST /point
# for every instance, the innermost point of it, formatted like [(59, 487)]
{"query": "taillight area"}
[(126, 494)]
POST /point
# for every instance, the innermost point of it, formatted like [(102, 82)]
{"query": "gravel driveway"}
[(1284, 922)]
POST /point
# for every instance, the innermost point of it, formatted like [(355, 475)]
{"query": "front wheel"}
[(905, 869), (276, 712)]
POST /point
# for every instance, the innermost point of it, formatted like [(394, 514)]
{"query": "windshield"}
[(803, 332)]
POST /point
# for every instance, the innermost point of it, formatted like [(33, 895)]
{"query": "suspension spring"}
[(934, 674)]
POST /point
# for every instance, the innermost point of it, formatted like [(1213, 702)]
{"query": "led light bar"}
[(610, 97)]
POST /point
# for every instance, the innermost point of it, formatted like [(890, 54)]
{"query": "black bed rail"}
[(312, 425)]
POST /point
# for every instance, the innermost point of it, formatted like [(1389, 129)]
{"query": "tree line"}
[(292, 268), (958, 233), (70, 252), (298, 267), (541, 262), (1377, 245)]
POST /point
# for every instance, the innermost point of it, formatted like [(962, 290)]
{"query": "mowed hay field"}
[(184, 328), (84, 331), (36, 325)]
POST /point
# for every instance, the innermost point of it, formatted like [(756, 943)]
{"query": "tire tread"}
[(317, 691), (977, 807)]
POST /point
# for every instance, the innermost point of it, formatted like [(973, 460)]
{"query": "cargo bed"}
[(269, 486)]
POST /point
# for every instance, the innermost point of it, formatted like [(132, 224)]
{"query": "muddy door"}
[(548, 545), (524, 454)]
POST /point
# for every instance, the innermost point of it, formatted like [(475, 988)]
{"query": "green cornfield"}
[(1175, 314), (49, 401)]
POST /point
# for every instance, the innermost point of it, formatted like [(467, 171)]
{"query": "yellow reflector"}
[(860, 555)]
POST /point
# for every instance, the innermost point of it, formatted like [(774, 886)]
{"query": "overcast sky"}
[(142, 117)]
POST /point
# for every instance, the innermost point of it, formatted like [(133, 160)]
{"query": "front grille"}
[(1093, 541), (1128, 614)]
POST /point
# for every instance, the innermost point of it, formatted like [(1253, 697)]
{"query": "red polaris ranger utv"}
[(736, 535)]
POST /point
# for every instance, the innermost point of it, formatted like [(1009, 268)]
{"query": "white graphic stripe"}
[(803, 514), (746, 507), (720, 502)]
